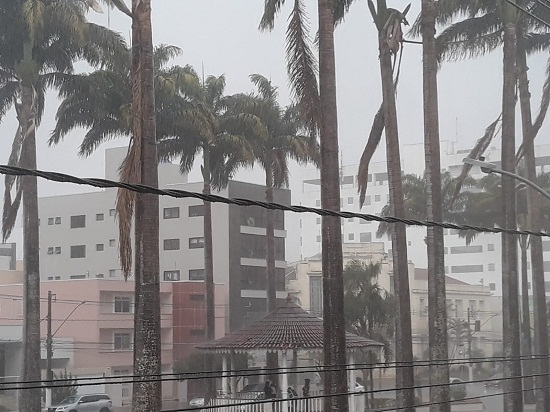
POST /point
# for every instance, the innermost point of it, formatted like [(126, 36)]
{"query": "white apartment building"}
[(79, 238), (479, 262)]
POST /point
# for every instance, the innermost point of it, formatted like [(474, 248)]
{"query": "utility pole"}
[(470, 369), (49, 352)]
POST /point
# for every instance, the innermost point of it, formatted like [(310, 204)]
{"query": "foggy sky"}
[(223, 36)]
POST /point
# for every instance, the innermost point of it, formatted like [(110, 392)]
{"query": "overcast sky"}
[(223, 36)]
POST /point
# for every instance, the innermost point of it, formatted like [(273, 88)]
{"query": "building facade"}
[(479, 262), (79, 238)]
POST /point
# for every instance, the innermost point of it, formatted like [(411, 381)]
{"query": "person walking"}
[(305, 394)]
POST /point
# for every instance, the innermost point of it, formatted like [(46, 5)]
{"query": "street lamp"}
[(488, 168)]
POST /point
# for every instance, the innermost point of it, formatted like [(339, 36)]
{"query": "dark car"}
[(494, 381)]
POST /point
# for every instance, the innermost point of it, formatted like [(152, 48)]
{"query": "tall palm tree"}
[(437, 306), (104, 102), (287, 138), (388, 22), (213, 126), (39, 43)]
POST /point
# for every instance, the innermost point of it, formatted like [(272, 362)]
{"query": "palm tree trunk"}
[(209, 270), (147, 396), (511, 330), (525, 324), (334, 336), (272, 361), (270, 234), (437, 314), (534, 223), (404, 375), (31, 401)]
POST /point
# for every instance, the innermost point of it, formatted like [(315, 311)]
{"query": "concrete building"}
[(479, 262), (305, 284), (79, 238)]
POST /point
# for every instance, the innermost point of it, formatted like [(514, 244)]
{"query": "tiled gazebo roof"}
[(289, 327)]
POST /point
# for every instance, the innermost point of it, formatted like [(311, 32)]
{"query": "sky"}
[(223, 37)]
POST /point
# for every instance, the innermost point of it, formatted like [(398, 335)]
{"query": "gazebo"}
[(287, 329)]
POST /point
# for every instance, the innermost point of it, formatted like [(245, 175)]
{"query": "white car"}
[(84, 403)]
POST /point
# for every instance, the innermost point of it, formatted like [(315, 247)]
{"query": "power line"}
[(281, 371), (517, 6), (182, 194)]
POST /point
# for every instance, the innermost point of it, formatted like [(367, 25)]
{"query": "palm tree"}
[(388, 22), (369, 310), (103, 102), (287, 138), (437, 307), (224, 135), (39, 43)]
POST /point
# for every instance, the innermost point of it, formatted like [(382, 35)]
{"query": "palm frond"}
[(479, 148), (9, 213), (271, 8), (341, 8), (536, 42), (120, 5), (470, 38), (8, 92), (164, 53), (375, 136), (302, 66), (266, 90)]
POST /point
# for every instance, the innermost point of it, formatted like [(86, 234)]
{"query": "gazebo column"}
[(225, 377), (233, 379), (284, 364), (351, 385)]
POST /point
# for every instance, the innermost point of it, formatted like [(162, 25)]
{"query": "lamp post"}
[(489, 168)]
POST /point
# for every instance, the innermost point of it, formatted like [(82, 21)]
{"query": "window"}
[(112, 273), (78, 221), (196, 274), (58, 278), (99, 217), (364, 222), (77, 277), (196, 332), (112, 242), (350, 200), (196, 210), (78, 251), (112, 212), (367, 201), (171, 244), (317, 203), (50, 221), (491, 267), (365, 237), (57, 250), (377, 198), (50, 277), (467, 269), (490, 247), (196, 297), (466, 249), (351, 236), (100, 247), (122, 341), (409, 243), (171, 212), (492, 286), (318, 238), (50, 251), (171, 275), (318, 221), (58, 220), (195, 243), (122, 304), (316, 295), (351, 220)]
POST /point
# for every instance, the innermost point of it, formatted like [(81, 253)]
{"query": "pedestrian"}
[(305, 393), (268, 406), (291, 394)]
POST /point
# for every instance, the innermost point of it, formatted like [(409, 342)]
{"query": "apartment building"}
[(477, 263), (305, 283), (79, 239)]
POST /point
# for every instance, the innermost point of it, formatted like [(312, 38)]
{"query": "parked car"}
[(494, 381), (197, 403), (99, 402)]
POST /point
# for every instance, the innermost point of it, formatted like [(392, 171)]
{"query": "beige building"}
[(304, 281)]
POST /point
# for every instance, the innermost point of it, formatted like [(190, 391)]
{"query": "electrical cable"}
[(517, 6), (139, 188), (271, 371)]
